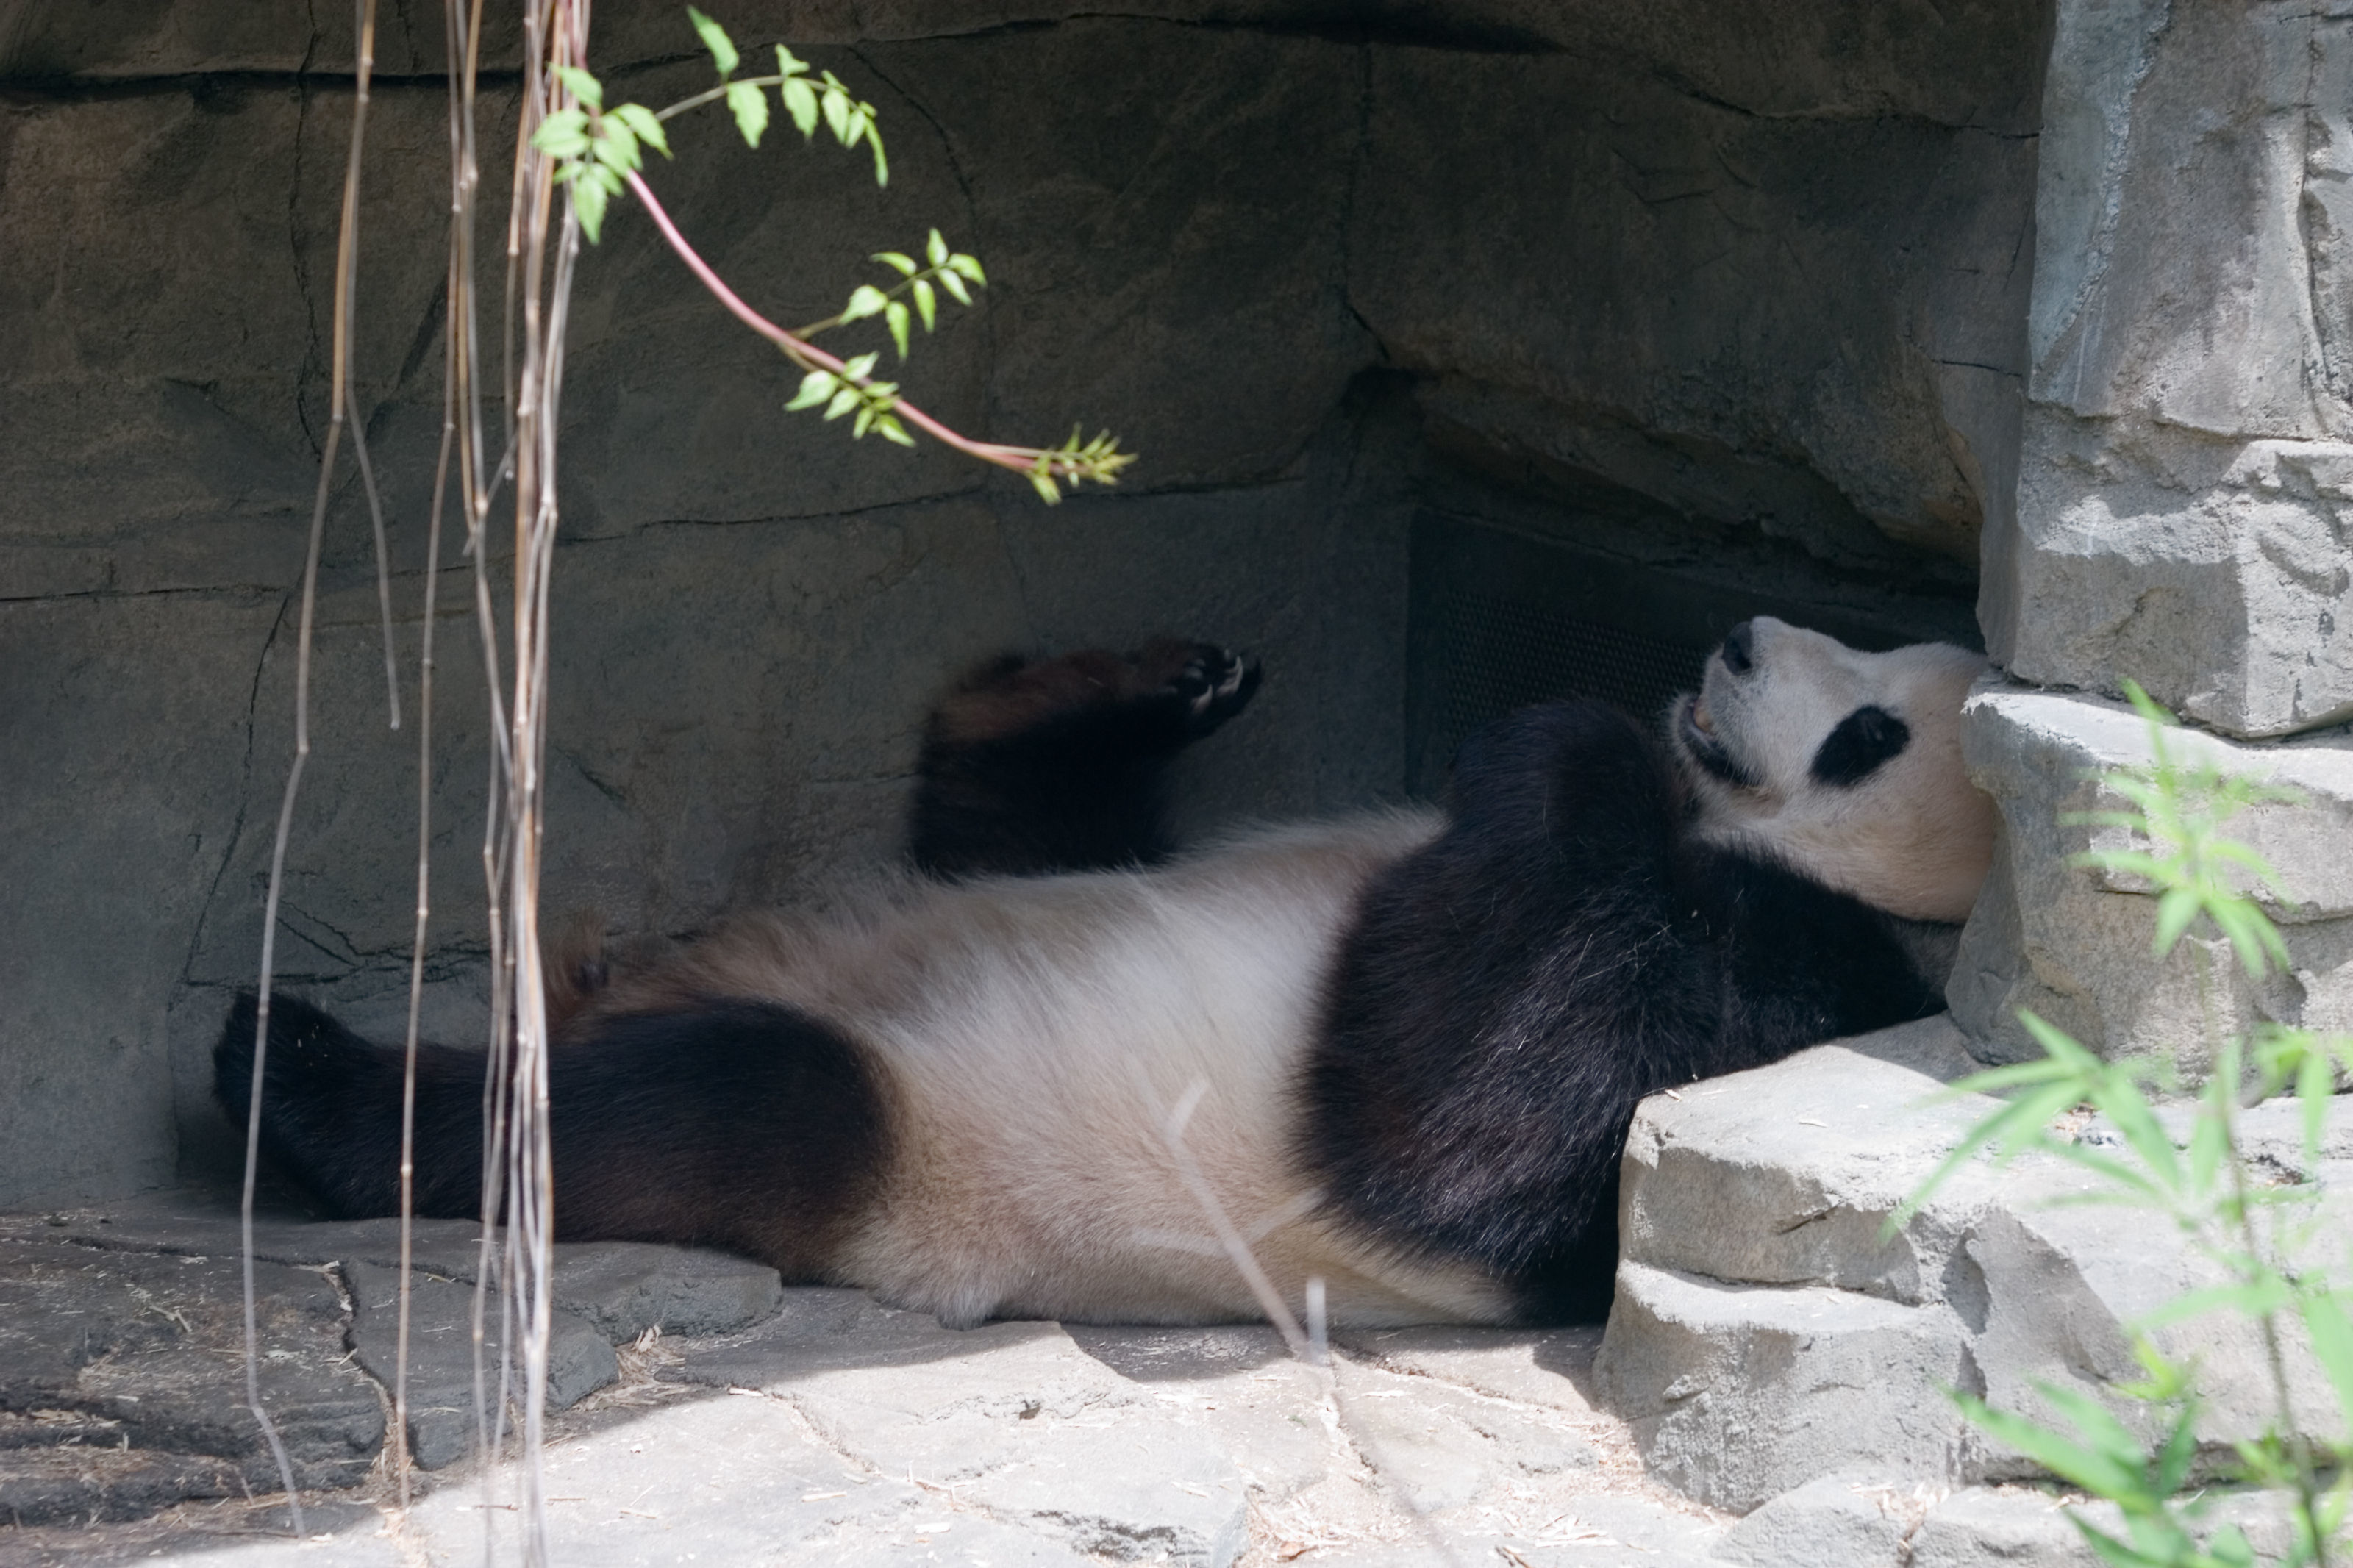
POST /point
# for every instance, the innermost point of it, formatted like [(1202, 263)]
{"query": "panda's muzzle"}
[(1704, 747)]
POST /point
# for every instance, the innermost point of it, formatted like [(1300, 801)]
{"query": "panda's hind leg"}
[(1031, 766)]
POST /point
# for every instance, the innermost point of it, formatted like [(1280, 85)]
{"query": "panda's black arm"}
[(1504, 998), (1800, 963), (1036, 766)]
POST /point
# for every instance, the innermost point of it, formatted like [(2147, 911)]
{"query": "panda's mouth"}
[(1695, 733)]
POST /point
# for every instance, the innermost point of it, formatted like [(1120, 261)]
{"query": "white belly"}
[(1039, 1034)]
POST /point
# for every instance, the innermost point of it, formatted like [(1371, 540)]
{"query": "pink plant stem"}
[(1018, 459)]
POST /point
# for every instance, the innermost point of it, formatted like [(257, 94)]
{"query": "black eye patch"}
[(1862, 740)]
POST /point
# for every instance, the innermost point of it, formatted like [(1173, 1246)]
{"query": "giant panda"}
[(1410, 1040)]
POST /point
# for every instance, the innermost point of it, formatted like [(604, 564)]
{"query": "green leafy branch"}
[(600, 153), (2203, 1184)]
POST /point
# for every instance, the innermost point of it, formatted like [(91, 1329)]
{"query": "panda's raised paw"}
[(1213, 683)]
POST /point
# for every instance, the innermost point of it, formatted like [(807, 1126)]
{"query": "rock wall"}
[(2184, 503), (1666, 280)]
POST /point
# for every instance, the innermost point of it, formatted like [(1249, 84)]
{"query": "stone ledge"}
[(2073, 944), (1765, 1336)]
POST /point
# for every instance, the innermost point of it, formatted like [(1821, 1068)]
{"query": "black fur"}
[(1078, 786), (647, 1115), (1508, 994), (1863, 740)]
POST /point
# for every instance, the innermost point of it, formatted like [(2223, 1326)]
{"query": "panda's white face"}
[(1846, 765)]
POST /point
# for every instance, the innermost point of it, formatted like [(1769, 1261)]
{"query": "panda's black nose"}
[(1736, 649)]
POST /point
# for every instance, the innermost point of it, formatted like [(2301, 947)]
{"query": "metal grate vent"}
[(1494, 654), (1498, 619)]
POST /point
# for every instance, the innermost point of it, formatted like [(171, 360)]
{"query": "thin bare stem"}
[(339, 383)]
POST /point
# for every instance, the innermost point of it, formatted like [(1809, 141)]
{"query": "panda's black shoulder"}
[(1568, 943)]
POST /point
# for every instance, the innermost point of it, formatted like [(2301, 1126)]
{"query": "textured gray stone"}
[(2073, 943), (1835, 1519), (139, 1359), (2181, 503), (442, 1421), (1766, 1335), (1737, 1394)]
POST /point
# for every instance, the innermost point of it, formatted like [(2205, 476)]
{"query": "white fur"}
[(1913, 839), (1040, 1032)]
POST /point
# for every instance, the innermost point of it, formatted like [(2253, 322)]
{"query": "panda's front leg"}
[(1502, 999), (1031, 766)]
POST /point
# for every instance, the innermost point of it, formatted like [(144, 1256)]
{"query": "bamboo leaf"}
[(895, 317), (2331, 1332), (927, 305), (2069, 1460), (2175, 910), (2128, 1109), (954, 285), (751, 108), (899, 262), (715, 39), (2253, 1299)]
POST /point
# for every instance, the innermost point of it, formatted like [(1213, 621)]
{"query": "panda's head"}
[(1844, 765)]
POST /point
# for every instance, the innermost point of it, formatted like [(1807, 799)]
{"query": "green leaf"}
[(936, 250), (563, 134), (582, 86), (968, 266), (881, 164), (1045, 487), (2314, 1084), (816, 387), (751, 107), (926, 304), (843, 401), (2253, 1299), (648, 129), (2128, 1109), (892, 430), (800, 102), (894, 316), (588, 200), (617, 149), (2228, 1547), (789, 64), (2331, 1332), (836, 111), (898, 261), (2088, 1467), (864, 301), (861, 367), (954, 285), (865, 417), (715, 39)]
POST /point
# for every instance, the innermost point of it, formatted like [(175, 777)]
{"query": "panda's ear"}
[(1863, 740)]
